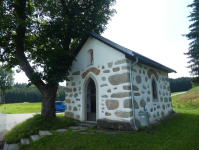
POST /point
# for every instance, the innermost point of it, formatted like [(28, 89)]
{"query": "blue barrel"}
[(144, 118)]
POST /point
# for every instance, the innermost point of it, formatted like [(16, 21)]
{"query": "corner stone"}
[(114, 124), (112, 104), (128, 104), (123, 114), (121, 62), (108, 114), (106, 71), (119, 79), (116, 69), (120, 95), (69, 114), (126, 87)]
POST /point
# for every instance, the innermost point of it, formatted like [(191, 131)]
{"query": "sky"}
[(152, 28)]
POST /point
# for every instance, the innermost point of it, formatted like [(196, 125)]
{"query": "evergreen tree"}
[(180, 84), (193, 35), (21, 93)]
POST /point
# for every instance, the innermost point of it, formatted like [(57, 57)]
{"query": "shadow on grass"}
[(32, 126)]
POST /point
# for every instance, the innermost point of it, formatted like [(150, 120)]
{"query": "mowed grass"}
[(179, 132), (189, 100), (32, 126), (17, 108)]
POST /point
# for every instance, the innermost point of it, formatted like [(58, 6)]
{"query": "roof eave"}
[(151, 63), (128, 53)]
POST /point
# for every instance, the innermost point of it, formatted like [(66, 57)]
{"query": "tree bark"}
[(3, 98), (48, 92), (48, 100)]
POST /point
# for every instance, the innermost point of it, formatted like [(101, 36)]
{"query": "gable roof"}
[(128, 53)]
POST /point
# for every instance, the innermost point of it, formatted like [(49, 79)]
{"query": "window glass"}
[(154, 89), (90, 59)]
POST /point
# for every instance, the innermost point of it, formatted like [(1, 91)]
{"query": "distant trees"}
[(20, 93), (180, 84), (194, 84), (193, 35), (6, 81)]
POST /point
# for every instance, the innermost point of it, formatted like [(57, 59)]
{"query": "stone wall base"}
[(114, 124)]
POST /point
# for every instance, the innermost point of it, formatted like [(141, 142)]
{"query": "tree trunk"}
[(48, 100), (3, 98)]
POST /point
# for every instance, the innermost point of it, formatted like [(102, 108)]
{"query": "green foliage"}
[(32, 126), (194, 84), (6, 79), (20, 93), (180, 84), (40, 36), (193, 35), (46, 33)]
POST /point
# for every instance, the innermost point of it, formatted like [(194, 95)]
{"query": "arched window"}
[(90, 59), (154, 89)]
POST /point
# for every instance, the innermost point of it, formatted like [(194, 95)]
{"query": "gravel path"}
[(178, 94)]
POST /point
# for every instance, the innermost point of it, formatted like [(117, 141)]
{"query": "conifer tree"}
[(193, 35)]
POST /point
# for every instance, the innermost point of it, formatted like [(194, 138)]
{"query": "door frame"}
[(84, 96)]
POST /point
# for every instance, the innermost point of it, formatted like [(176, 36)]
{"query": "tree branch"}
[(19, 42)]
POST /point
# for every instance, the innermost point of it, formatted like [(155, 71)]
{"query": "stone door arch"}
[(91, 100), (90, 103)]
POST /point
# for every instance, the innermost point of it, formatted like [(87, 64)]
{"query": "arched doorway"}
[(91, 101)]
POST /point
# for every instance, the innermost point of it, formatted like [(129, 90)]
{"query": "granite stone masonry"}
[(111, 78)]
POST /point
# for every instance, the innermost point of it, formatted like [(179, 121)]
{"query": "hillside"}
[(189, 100)]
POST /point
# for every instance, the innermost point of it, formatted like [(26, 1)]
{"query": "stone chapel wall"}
[(114, 91), (111, 71), (142, 86)]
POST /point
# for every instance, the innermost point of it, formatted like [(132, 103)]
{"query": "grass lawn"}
[(17, 108), (195, 89), (179, 132), (189, 100), (32, 126)]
